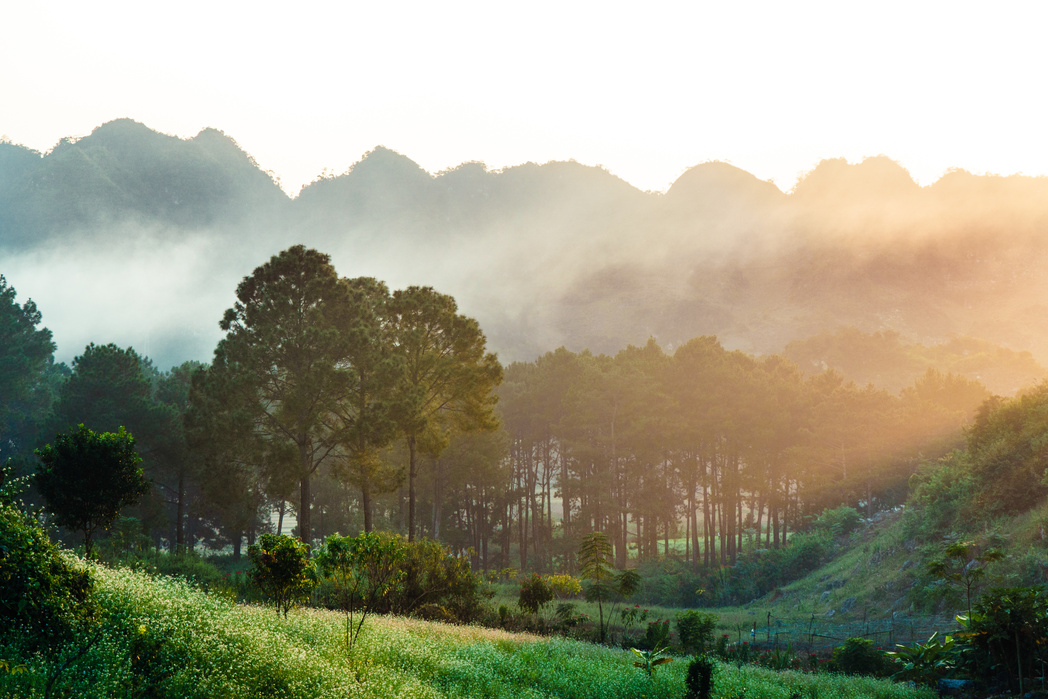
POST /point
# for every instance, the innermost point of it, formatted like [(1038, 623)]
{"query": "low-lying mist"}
[(154, 234)]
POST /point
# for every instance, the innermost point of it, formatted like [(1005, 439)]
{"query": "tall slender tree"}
[(448, 377), (366, 414), (280, 356)]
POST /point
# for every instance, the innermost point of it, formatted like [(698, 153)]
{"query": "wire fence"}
[(820, 635)]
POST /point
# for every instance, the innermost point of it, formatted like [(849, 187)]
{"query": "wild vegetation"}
[(701, 478)]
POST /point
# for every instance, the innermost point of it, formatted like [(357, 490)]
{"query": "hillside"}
[(542, 254), (162, 638)]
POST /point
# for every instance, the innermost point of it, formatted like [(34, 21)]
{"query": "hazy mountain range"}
[(139, 238)]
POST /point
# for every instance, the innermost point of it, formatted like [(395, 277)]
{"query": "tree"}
[(25, 354), (605, 584), (283, 570), (448, 378), (87, 478), (280, 358), (43, 591), (173, 457), (365, 415), (112, 387), (962, 565), (232, 463), (364, 570)]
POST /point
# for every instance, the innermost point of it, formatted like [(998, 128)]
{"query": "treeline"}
[(352, 408), (1001, 472), (708, 445)]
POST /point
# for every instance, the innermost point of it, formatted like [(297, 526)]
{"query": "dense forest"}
[(716, 447)]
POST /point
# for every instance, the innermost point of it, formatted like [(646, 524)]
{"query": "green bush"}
[(657, 635), (858, 657), (535, 593), (433, 576), (43, 594), (695, 631), (1006, 636), (699, 679), (839, 522), (283, 571)]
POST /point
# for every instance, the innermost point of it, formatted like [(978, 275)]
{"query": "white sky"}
[(645, 89)]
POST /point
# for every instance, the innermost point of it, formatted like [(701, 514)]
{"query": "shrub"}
[(432, 575), (839, 522), (925, 663), (363, 569), (858, 657), (564, 586), (283, 570), (535, 593), (1005, 635), (695, 630), (699, 679), (657, 635), (41, 591)]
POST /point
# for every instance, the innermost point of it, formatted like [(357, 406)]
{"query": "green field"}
[(160, 637)]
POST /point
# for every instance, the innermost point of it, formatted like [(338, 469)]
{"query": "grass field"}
[(163, 638)]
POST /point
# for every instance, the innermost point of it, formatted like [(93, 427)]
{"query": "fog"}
[(146, 246)]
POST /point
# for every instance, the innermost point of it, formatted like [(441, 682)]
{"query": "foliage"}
[(206, 647), (651, 659), (925, 663), (278, 363), (657, 634), (699, 680), (1005, 635), (1008, 445), (942, 495), (535, 593), (838, 522), (365, 569), (858, 656), (962, 565), (695, 631), (433, 576), (630, 616), (448, 376), (564, 585), (87, 478), (25, 355), (43, 593), (283, 571)]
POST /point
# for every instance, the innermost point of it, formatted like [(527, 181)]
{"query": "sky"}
[(644, 90)]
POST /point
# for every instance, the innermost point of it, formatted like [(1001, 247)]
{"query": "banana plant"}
[(651, 659)]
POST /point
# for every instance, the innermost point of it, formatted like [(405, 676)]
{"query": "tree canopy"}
[(87, 477)]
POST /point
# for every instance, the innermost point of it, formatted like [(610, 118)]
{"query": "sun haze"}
[(771, 87)]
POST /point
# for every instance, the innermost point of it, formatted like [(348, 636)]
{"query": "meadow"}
[(163, 637)]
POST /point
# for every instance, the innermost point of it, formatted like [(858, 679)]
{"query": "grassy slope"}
[(883, 569), (190, 645)]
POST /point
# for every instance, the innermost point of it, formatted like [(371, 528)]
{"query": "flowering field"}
[(163, 638)]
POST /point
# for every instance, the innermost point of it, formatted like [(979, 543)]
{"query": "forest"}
[(416, 428), (807, 419)]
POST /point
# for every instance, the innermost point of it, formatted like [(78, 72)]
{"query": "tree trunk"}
[(412, 475), (366, 505), (305, 527), (180, 516)]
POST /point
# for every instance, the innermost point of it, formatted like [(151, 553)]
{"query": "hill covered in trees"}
[(542, 255)]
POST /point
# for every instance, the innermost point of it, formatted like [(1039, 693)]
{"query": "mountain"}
[(542, 254)]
